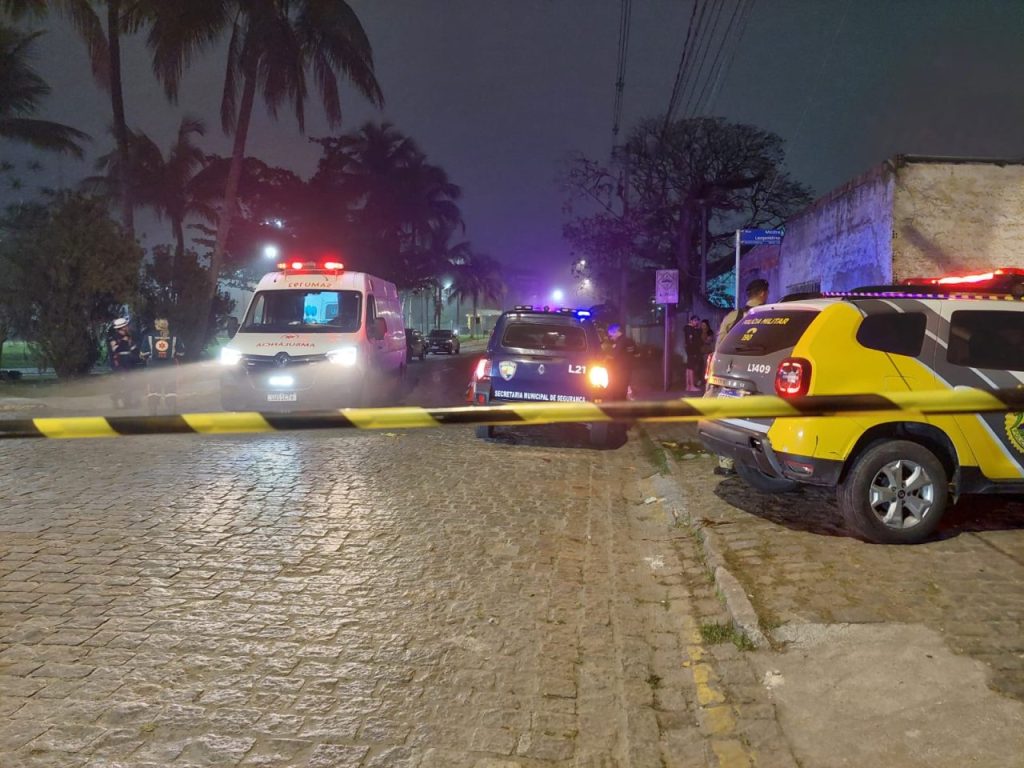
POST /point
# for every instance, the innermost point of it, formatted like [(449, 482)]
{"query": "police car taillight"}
[(483, 370), (793, 377)]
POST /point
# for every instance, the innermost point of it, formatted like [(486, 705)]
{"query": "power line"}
[(625, 21), (723, 72), (709, 39), (677, 84), (729, 42), (691, 55)]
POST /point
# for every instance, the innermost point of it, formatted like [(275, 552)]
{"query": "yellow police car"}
[(895, 473)]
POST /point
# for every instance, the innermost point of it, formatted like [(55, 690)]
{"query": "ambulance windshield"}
[(304, 311)]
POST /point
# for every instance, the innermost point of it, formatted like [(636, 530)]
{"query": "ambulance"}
[(315, 336)]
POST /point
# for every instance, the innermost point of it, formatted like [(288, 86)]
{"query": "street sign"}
[(760, 236), (666, 286)]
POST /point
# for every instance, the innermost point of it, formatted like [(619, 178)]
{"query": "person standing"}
[(164, 352), (757, 294), (125, 357), (707, 348), (692, 346), (622, 354)]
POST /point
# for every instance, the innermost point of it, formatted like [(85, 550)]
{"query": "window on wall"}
[(987, 339)]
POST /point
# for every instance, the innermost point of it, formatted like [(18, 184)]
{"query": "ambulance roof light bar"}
[(310, 266)]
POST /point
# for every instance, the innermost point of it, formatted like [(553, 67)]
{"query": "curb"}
[(741, 610)]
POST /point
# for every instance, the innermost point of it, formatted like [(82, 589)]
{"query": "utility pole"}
[(703, 246)]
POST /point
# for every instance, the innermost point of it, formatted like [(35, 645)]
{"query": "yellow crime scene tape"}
[(932, 402)]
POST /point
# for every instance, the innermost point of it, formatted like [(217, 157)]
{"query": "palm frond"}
[(181, 31), (43, 134), (87, 23)]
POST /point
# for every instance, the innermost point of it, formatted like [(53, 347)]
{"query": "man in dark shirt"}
[(623, 351)]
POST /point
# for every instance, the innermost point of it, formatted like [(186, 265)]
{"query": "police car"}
[(539, 355), (897, 472)]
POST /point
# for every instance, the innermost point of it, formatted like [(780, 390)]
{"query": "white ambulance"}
[(315, 336)]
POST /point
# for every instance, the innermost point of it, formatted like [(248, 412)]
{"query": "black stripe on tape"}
[(1012, 398), (19, 428), (149, 425), (473, 416), (663, 409), (824, 404), (308, 420)]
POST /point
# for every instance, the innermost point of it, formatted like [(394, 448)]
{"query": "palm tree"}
[(166, 185), (21, 91), (403, 208), (476, 278), (272, 45), (100, 30)]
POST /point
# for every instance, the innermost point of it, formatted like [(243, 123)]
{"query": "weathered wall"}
[(957, 216), (842, 241)]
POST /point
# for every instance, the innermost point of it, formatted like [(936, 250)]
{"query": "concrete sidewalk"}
[(909, 656)]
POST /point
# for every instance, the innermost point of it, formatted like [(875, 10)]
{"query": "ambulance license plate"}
[(282, 397)]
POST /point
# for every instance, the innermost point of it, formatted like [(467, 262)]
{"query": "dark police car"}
[(546, 356)]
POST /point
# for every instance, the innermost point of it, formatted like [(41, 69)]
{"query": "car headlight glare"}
[(345, 356), (229, 356)]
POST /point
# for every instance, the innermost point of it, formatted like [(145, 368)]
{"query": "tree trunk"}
[(689, 270), (120, 123), (178, 264), (472, 323), (227, 214)]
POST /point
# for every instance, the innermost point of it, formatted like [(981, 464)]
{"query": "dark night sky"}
[(500, 91)]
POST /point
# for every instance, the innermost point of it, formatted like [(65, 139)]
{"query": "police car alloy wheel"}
[(895, 493)]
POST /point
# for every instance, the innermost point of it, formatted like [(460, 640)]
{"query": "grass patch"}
[(715, 633), (654, 455)]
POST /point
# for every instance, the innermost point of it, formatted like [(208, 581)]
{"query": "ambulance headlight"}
[(345, 356), (229, 356)]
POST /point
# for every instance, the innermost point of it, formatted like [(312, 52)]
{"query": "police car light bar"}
[(915, 295), (980, 277)]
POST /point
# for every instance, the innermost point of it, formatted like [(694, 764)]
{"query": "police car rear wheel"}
[(758, 480), (895, 493)]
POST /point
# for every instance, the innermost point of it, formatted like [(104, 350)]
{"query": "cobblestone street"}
[(370, 599)]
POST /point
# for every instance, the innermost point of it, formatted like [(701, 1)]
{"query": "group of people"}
[(159, 349)]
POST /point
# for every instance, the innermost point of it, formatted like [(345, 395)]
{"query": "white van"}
[(315, 336)]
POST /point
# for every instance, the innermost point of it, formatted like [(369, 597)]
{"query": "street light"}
[(558, 294), (271, 251)]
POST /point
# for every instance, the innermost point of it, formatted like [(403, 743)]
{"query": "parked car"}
[(415, 344), (895, 473), (543, 356), (444, 341)]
